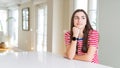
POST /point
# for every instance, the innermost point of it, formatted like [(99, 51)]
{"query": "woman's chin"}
[(78, 27)]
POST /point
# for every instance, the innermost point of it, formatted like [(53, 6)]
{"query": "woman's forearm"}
[(87, 56), (71, 50), (83, 58)]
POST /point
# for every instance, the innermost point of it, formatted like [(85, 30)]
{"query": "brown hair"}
[(85, 31)]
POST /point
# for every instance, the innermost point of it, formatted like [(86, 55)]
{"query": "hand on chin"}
[(79, 27)]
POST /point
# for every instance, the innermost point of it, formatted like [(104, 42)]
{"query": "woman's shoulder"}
[(93, 32), (67, 33)]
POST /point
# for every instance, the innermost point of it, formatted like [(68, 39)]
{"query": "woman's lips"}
[(78, 24)]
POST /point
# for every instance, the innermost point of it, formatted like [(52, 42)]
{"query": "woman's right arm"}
[(71, 46), (71, 50)]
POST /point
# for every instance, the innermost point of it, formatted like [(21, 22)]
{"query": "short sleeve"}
[(67, 38), (93, 38)]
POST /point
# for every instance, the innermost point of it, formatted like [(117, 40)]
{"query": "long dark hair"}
[(85, 31)]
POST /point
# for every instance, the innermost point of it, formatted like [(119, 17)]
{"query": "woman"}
[(82, 41)]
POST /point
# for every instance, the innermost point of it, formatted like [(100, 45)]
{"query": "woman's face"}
[(80, 20)]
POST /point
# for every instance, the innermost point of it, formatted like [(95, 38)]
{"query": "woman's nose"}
[(79, 20)]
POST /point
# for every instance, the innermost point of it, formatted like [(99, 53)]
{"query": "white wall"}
[(58, 20), (109, 25), (57, 26), (49, 25)]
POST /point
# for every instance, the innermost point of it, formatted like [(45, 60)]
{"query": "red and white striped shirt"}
[(92, 41)]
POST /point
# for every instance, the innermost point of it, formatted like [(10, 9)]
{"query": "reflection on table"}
[(41, 60)]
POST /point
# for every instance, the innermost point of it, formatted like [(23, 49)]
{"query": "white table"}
[(41, 60)]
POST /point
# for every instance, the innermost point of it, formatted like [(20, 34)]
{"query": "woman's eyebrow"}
[(76, 16), (82, 16)]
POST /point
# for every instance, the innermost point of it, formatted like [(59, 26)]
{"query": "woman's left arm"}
[(87, 56), (93, 46)]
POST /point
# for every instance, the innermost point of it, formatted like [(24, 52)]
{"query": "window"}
[(25, 19), (81, 4), (92, 11), (90, 6), (3, 25), (42, 28), (13, 27)]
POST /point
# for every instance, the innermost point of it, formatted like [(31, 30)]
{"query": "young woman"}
[(81, 41)]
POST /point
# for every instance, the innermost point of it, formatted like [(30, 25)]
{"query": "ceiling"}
[(11, 3), (7, 3)]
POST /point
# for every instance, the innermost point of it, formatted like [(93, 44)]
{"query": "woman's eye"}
[(83, 17)]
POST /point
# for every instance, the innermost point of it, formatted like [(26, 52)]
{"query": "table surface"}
[(41, 60)]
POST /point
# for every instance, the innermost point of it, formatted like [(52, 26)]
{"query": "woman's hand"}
[(76, 31)]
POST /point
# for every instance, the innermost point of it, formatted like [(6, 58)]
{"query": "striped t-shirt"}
[(92, 41)]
